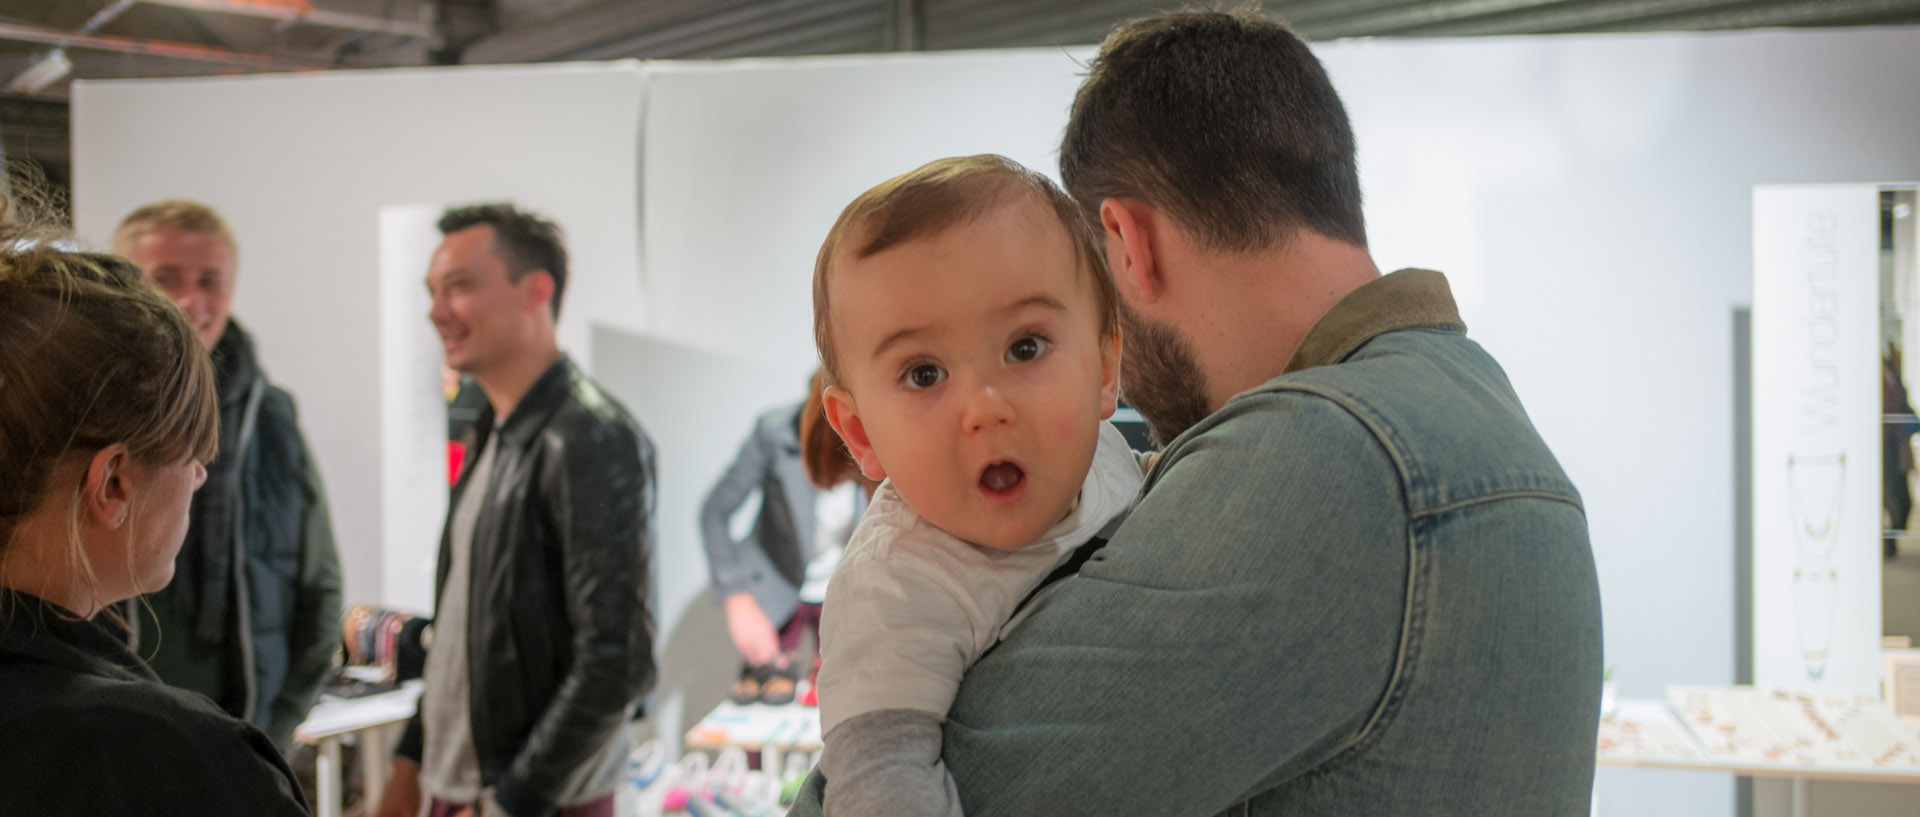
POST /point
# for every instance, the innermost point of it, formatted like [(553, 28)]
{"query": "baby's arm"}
[(887, 762), (894, 644)]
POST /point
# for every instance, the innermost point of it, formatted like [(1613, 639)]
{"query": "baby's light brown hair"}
[(937, 196)]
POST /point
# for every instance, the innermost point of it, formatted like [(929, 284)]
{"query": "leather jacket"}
[(560, 639)]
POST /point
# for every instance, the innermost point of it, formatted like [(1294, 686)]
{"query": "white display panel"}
[(413, 410), (749, 163), (1816, 438)]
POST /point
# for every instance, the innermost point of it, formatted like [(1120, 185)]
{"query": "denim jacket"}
[(1361, 588)]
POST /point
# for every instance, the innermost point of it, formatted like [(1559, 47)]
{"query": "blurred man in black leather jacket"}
[(542, 642)]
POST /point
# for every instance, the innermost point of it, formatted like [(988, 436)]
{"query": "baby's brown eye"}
[(1025, 349), (925, 375)]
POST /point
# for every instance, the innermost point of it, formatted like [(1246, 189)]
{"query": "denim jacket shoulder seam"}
[(1403, 468), (1406, 648), (1496, 496)]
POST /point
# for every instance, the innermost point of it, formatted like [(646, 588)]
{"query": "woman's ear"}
[(107, 494), (844, 416)]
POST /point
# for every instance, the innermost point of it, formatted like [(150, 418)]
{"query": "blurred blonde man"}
[(252, 617)]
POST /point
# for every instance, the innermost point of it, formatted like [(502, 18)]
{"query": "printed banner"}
[(1816, 438)]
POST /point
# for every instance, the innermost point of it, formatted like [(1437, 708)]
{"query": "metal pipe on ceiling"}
[(53, 66), (302, 11), (1610, 15), (906, 25), (1785, 13), (158, 48)]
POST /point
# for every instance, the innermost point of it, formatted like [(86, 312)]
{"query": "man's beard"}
[(1160, 377)]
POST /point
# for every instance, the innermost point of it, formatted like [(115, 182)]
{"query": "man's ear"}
[(845, 419), (1109, 374), (107, 495), (1128, 225), (539, 290)]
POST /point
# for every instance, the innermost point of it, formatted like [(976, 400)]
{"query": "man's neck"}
[(1266, 304), (505, 384)]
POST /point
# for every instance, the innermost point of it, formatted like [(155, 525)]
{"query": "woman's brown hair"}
[(824, 454), (89, 356)]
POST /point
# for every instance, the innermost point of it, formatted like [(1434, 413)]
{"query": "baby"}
[(969, 333)]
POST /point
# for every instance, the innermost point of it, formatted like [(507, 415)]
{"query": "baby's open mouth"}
[(1002, 477)]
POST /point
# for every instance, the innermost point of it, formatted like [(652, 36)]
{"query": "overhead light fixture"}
[(50, 68)]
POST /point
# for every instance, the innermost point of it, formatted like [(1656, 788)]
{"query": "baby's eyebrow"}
[(1043, 301), (896, 338)]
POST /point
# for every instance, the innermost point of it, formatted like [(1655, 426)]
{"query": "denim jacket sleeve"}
[(1240, 629)]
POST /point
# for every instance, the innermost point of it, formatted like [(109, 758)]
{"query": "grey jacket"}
[(1362, 588), (772, 560)]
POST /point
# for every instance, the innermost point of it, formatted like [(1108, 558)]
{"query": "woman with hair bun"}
[(107, 420)]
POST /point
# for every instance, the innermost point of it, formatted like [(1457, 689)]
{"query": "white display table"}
[(376, 720), (770, 730), (1758, 733)]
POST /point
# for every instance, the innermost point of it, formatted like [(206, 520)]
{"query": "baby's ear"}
[(844, 416), (1109, 374)]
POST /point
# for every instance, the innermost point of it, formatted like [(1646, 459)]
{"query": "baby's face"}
[(975, 373)]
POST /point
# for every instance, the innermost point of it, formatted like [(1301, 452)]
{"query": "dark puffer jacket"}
[(252, 617)]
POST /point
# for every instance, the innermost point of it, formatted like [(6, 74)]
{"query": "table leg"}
[(326, 778), (770, 766), (376, 760), (1800, 797)]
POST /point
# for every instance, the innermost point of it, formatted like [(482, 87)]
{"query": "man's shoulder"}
[(1271, 429), (588, 411), (63, 700), (1434, 403), (279, 414)]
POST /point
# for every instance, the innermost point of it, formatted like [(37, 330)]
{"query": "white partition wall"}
[(413, 411)]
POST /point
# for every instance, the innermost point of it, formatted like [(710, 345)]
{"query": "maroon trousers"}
[(602, 807)]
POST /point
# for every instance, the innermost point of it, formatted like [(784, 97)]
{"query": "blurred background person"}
[(252, 619), (771, 581), (542, 644)]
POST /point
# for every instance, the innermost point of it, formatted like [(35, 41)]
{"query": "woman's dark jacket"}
[(87, 729)]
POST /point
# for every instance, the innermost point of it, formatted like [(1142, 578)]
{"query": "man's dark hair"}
[(1226, 121), (524, 241)]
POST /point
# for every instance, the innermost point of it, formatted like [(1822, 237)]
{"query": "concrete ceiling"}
[(46, 44)]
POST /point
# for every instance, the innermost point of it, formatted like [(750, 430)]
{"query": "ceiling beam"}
[(52, 66), (160, 48), (585, 26), (302, 11)]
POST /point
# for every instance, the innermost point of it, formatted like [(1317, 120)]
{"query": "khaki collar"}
[(1398, 300)]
